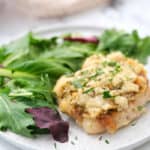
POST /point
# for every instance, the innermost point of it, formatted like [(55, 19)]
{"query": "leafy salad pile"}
[(30, 67)]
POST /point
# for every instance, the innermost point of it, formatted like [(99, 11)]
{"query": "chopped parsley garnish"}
[(55, 146), (133, 124), (76, 138), (112, 63), (88, 90), (84, 72), (77, 83), (106, 94), (69, 74), (117, 68), (109, 63), (110, 79), (72, 142), (115, 65), (140, 108), (106, 141), (100, 138), (98, 72), (105, 63)]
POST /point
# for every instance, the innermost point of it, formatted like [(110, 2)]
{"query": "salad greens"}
[(130, 44), (30, 67), (13, 116)]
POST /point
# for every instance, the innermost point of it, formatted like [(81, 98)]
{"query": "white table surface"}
[(131, 14)]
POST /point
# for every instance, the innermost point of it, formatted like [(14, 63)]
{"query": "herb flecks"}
[(55, 146), (77, 84), (84, 72), (109, 63), (76, 138), (100, 138), (72, 142), (116, 66), (98, 73), (88, 90), (106, 94), (140, 108), (69, 74), (106, 141), (133, 123), (116, 70)]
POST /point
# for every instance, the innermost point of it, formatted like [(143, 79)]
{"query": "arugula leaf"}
[(140, 108), (14, 117)]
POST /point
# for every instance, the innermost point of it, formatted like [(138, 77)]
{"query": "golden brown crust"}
[(128, 88), (114, 120)]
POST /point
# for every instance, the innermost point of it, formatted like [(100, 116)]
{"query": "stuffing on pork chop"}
[(107, 93)]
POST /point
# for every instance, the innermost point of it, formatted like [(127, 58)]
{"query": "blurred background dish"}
[(59, 8), (21, 16)]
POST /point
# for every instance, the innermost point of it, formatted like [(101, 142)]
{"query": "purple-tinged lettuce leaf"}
[(92, 39), (46, 118)]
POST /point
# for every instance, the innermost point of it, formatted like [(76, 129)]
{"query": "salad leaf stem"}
[(15, 74)]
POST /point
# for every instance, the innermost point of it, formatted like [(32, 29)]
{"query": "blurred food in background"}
[(59, 8), (2, 2)]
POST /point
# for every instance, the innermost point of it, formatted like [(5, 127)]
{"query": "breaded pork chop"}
[(106, 94)]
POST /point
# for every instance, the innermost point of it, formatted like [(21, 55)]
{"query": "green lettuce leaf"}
[(130, 44), (14, 117)]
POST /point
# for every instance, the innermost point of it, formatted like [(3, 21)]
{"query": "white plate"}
[(126, 138)]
